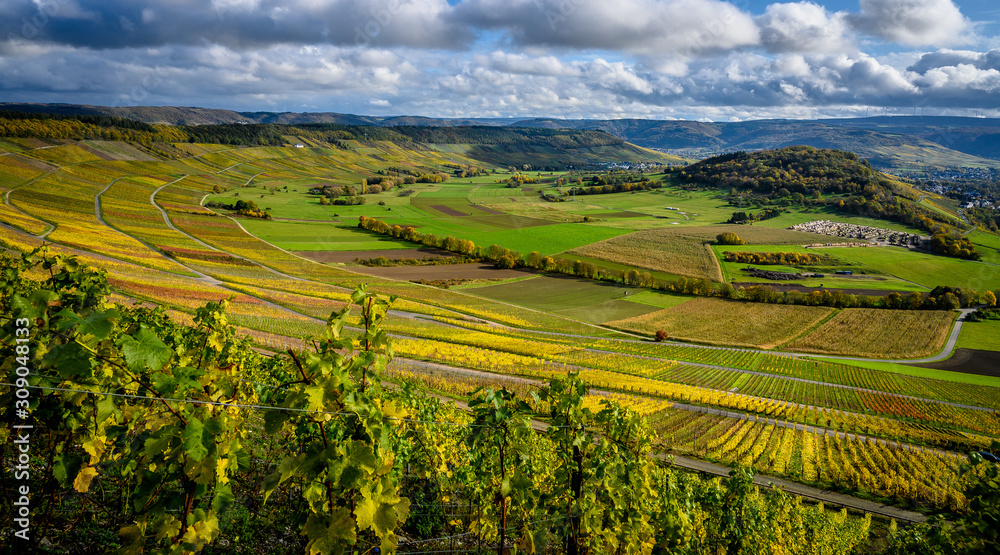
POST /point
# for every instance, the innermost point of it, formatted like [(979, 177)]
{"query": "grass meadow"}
[(980, 335), (863, 278)]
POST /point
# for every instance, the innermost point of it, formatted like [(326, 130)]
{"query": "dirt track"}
[(392, 254), (475, 270)]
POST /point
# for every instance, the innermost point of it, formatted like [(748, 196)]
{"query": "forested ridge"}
[(80, 127), (799, 169), (803, 175)]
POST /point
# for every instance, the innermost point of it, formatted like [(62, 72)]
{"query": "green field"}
[(927, 270), (983, 335), (988, 244), (314, 236)]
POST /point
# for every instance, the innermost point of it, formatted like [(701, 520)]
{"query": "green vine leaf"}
[(193, 440), (145, 351)]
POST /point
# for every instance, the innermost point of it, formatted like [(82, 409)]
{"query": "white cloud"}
[(803, 27)]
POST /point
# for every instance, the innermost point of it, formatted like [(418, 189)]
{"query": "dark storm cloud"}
[(638, 26), (114, 24)]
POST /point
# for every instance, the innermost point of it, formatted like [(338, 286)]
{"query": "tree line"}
[(776, 258), (246, 208)]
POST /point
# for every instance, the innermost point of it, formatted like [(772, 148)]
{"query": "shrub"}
[(729, 238)]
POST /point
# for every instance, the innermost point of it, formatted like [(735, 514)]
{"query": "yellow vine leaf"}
[(83, 479)]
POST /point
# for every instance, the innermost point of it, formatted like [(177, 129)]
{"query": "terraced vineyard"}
[(898, 436)]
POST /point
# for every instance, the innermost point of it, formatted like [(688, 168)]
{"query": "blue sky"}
[(668, 59)]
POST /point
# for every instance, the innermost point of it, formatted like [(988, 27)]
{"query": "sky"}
[(709, 60)]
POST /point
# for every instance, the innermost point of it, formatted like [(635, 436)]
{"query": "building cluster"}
[(855, 231), (981, 203)]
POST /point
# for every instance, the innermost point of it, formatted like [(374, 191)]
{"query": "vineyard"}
[(861, 332), (415, 418), (661, 250), (758, 325)]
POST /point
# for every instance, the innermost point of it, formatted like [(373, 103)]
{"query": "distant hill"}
[(525, 148), (900, 143), (909, 143)]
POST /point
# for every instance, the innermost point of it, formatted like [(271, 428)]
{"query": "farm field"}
[(988, 244), (797, 216), (864, 278), (445, 272), (751, 324), (870, 333)]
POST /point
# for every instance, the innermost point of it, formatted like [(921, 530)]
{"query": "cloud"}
[(560, 58), (803, 27), (913, 22), (958, 78), (246, 24), (648, 27), (945, 58)]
